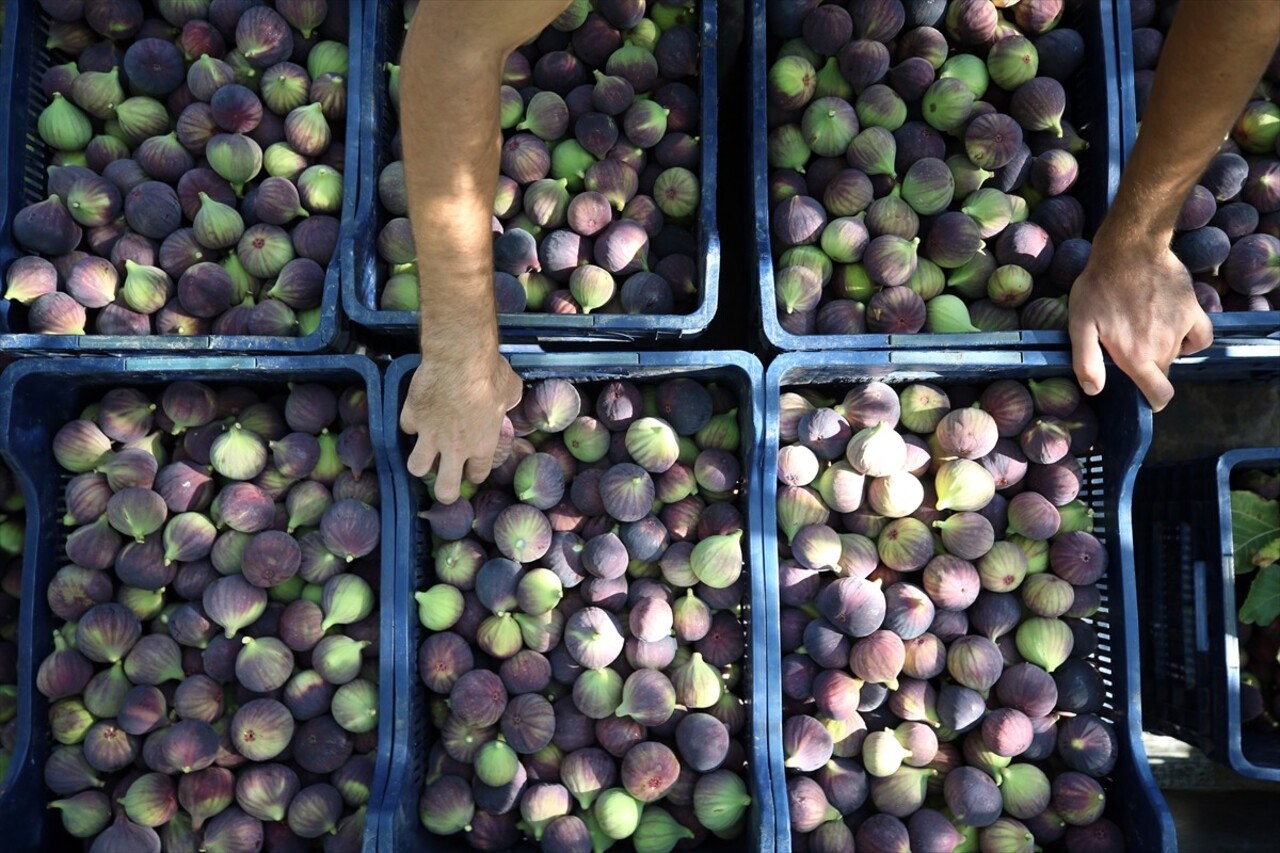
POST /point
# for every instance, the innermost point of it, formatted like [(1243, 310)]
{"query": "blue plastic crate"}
[(1186, 571), (24, 156), (399, 826), (1225, 323), (38, 396), (1094, 85), (1133, 800), (361, 279)]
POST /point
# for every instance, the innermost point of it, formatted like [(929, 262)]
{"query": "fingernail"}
[(1089, 388)]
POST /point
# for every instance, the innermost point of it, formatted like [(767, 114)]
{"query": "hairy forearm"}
[(1211, 62), (451, 137), (450, 76)]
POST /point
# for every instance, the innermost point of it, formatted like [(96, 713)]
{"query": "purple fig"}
[(46, 227)]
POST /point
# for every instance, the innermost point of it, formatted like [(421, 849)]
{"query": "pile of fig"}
[(12, 532), (195, 155), (939, 580), (598, 195), (1229, 227), (214, 679), (583, 627), (922, 168)]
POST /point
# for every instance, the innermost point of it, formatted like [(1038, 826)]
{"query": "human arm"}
[(1135, 297), (450, 77)]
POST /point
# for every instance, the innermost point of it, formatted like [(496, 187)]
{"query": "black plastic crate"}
[(1190, 592), (1134, 802), (24, 156), (1095, 92), (38, 396), (399, 827), (364, 271)]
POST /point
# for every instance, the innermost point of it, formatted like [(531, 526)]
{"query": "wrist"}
[(466, 347), (1133, 231)]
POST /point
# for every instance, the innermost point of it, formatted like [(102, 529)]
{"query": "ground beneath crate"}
[(1214, 810), (1222, 821), (1199, 422)]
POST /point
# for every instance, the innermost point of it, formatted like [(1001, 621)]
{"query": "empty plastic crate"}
[(1190, 592)]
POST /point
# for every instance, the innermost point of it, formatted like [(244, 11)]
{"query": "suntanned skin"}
[(1135, 297), (450, 77)]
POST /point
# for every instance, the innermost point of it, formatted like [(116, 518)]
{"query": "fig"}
[(46, 227), (1033, 516), (882, 832), (648, 697), (952, 583), (879, 106), (1012, 61), (928, 186), (878, 658), (1087, 744), (1003, 568), (1028, 688), (84, 815), (1078, 798), (966, 535), (616, 813), (989, 208), (1253, 265), (29, 278), (792, 81), (963, 485), (720, 800), (1080, 687), (974, 662), (993, 141), (972, 797), (948, 102), (1045, 642), (853, 605), (930, 830), (953, 239), (1078, 557), (124, 834), (1047, 595), (877, 451)]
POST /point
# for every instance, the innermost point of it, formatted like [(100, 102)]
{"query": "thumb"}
[(1086, 358), (512, 392), (408, 425)]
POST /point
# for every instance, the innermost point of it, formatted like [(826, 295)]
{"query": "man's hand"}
[(1134, 298), (455, 407), (1136, 302), (450, 80)]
